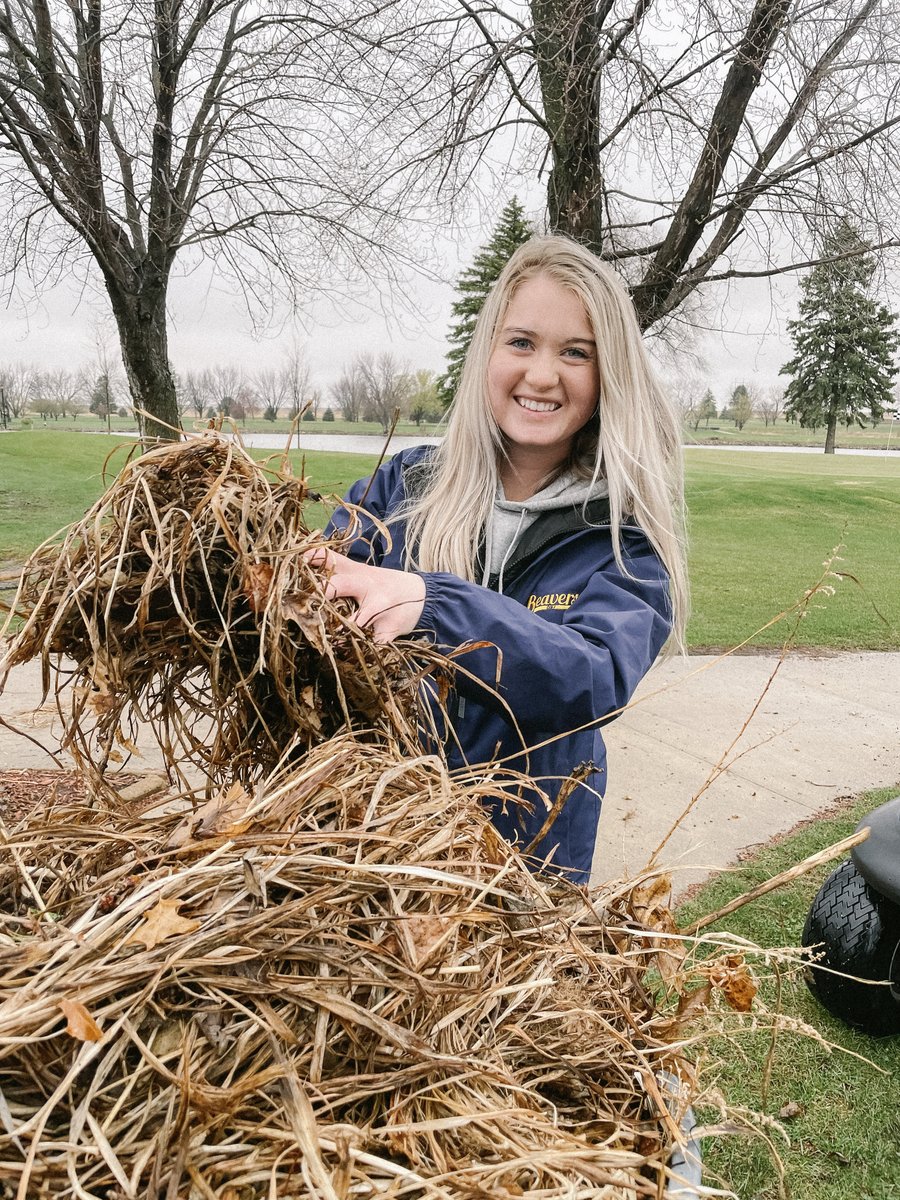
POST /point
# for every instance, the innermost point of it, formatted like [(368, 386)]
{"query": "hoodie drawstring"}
[(510, 548)]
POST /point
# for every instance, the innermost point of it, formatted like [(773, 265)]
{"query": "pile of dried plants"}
[(340, 983), (323, 974), (183, 601)]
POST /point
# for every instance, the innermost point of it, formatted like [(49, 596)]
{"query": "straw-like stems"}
[(333, 985), (184, 600)]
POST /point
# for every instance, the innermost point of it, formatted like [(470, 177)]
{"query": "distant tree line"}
[(372, 388), (61, 393), (376, 387), (745, 401)]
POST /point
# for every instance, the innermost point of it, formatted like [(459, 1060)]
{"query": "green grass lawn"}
[(722, 432), (49, 478), (845, 1144), (88, 423), (760, 527)]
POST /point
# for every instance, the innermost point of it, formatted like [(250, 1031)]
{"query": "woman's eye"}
[(520, 343), (575, 352)]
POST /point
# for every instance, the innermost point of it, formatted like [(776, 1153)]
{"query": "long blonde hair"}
[(634, 442)]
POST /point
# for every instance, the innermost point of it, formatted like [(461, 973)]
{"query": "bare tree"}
[(686, 384), (135, 132), (294, 377), (314, 400), (387, 388), (349, 392), (769, 404), (17, 382), (687, 143), (270, 385), (66, 390), (183, 398), (227, 387), (249, 399), (103, 385), (197, 390)]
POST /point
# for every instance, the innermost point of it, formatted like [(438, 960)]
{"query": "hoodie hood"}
[(510, 518)]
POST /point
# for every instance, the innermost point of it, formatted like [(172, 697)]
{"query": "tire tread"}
[(857, 931)]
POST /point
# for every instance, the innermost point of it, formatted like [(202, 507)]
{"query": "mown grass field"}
[(722, 432), (760, 527), (844, 1142), (49, 478)]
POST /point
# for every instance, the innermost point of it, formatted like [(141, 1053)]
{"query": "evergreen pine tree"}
[(473, 286), (707, 408), (740, 407), (844, 342)]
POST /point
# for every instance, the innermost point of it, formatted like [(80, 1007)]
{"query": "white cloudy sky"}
[(57, 326)]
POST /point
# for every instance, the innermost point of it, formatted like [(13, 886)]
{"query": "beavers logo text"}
[(557, 601)]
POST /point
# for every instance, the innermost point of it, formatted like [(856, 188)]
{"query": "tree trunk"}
[(145, 353), (831, 430), (567, 52)]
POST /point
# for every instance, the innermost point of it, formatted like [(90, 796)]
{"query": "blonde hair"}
[(634, 441)]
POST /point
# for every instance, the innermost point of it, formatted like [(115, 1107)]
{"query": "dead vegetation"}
[(183, 601), (321, 973), (338, 984)]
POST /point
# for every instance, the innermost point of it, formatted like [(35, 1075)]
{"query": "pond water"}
[(346, 443)]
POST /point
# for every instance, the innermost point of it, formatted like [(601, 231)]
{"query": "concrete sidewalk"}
[(826, 726)]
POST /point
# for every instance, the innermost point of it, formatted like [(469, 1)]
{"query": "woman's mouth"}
[(538, 406)]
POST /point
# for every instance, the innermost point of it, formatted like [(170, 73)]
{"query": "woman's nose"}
[(542, 371)]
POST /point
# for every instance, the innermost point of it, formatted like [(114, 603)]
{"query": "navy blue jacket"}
[(570, 638)]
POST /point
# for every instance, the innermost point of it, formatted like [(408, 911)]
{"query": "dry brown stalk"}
[(337, 984), (183, 600), (838, 850)]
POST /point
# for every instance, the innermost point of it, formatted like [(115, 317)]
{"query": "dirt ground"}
[(23, 790)]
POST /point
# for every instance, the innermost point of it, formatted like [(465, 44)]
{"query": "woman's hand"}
[(390, 602)]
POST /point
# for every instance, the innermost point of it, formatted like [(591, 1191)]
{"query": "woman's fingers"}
[(337, 580), (390, 602)]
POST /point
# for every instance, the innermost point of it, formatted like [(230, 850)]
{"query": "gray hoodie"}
[(510, 518)]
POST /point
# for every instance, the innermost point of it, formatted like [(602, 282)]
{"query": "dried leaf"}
[(300, 610), (162, 922), (100, 692), (256, 583), (669, 959), (221, 816), (308, 697), (255, 883), (791, 1110), (79, 1022), (692, 1004), (731, 975), (650, 903), (422, 936), (127, 743)]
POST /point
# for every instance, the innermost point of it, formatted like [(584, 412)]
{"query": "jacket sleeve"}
[(381, 492), (554, 676)]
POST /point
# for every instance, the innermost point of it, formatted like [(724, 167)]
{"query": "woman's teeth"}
[(537, 405)]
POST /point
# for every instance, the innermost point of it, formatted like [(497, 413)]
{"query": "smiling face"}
[(543, 381)]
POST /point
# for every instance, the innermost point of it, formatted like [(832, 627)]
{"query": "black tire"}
[(857, 931)]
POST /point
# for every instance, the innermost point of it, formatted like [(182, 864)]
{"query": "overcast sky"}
[(745, 342)]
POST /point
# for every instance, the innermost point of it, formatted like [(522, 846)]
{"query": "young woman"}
[(546, 529)]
